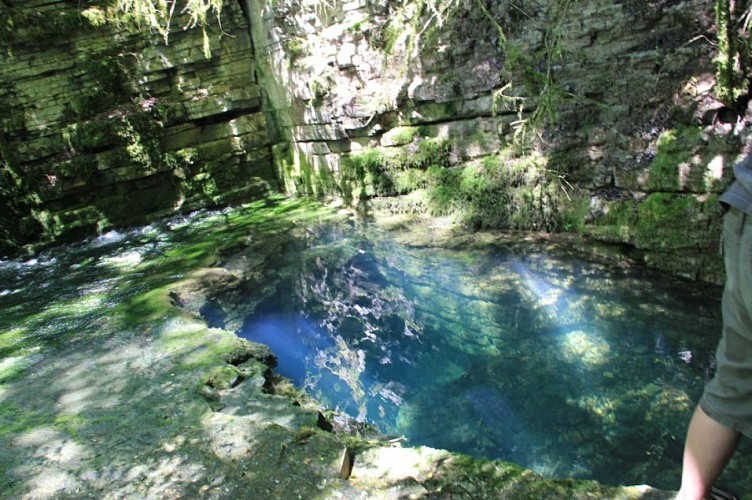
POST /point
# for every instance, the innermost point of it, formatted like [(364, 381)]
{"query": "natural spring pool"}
[(512, 351), (501, 348)]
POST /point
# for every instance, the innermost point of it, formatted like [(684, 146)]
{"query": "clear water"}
[(515, 352)]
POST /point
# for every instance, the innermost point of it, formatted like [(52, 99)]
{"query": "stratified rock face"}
[(377, 100), (412, 107), (107, 127)]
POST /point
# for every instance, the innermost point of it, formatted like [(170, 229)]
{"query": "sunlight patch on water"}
[(108, 238), (586, 348), (125, 261), (200, 218), (542, 291)]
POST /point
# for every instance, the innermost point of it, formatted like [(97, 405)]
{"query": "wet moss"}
[(664, 220), (315, 179), (465, 477), (284, 167), (618, 223), (223, 377), (674, 151), (505, 193), (395, 170)]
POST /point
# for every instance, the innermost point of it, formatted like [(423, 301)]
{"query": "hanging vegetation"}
[(733, 60), (158, 15)]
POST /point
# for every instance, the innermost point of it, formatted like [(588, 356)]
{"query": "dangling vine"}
[(544, 96), (733, 60)]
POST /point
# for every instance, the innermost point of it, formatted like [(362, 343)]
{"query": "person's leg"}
[(708, 448), (726, 402)]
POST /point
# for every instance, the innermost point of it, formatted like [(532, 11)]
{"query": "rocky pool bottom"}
[(112, 384)]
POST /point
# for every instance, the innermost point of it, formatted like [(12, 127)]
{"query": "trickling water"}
[(561, 365)]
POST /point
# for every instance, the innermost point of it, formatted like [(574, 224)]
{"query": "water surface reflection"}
[(568, 367)]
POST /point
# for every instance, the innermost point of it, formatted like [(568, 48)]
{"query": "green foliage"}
[(402, 135), (733, 59), (152, 15), (19, 25), (660, 221), (284, 166), (390, 171), (319, 89), (295, 48), (506, 194), (313, 181), (503, 191), (137, 132), (16, 202), (137, 15), (413, 23), (664, 219), (687, 159), (110, 87), (673, 148), (534, 70), (617, 224), (158, 15), (428, 152), (664, 208)]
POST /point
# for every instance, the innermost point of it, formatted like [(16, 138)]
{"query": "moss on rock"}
[(665, 220)]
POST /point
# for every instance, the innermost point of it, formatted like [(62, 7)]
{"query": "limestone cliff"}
[(592, 117), (543, 115), (104, 125)]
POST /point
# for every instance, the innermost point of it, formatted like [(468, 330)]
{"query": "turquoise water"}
[(513, 351), (518, 351)]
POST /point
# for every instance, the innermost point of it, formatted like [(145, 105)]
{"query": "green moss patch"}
[(666, 220), (674, 151), (505, 194), (392, 171), (687, 159)]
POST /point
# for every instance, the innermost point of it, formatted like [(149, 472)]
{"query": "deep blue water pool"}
[(515, 352)]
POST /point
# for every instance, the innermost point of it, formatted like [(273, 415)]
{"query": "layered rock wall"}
[(593, 117), (430, 107), (104, 126)]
